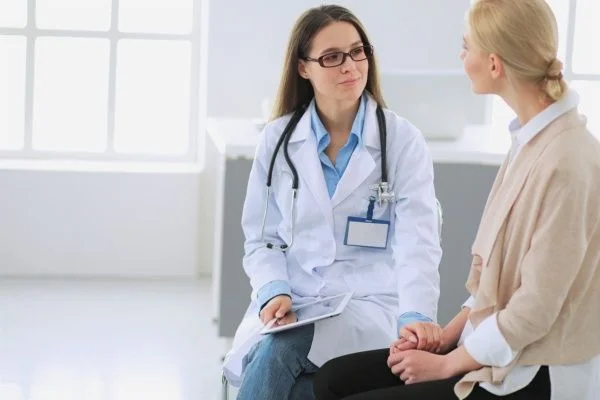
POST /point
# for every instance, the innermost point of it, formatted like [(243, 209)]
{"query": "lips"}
[(350, 81)]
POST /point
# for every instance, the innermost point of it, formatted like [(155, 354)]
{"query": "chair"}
[(224, 388)]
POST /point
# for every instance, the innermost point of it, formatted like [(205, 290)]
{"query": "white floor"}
[(108, 340)]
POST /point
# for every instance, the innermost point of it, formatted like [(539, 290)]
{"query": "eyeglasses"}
[(337, 58)]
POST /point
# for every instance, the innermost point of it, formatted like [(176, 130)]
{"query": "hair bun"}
[(554, 70)]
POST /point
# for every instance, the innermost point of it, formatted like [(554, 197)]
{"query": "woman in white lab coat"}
[(529, 331), (331, 74)]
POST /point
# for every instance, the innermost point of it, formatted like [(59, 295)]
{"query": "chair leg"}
[(224, 388)]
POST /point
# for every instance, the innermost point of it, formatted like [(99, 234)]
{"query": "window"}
[(101, 79), (578, 33)]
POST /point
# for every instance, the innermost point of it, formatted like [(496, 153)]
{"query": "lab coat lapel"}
[(303, 150), (361, 163), (360, 166)]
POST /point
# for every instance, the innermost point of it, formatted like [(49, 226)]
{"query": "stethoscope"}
[(383, 193)]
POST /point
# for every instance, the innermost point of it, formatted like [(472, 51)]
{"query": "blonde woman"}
[(530, 328)]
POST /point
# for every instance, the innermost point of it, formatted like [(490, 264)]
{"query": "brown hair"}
[(295, 91)]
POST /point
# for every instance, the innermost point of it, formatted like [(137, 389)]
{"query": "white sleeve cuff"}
[(488, 346), (469, 303)]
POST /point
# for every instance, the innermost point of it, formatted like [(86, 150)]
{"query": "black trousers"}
[(366, 376)]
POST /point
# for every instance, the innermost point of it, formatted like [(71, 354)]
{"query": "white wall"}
[(101, 223), (123, 224), (248, 38)]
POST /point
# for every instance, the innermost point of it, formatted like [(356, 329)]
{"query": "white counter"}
[(234, 137), (479, 144)]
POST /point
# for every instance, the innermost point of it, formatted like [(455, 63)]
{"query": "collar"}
[(320, 131), (522, 134)]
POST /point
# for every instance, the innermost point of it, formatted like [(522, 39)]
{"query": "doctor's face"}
[(345, 82)]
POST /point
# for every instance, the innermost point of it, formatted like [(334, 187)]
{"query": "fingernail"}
[(412, 339)]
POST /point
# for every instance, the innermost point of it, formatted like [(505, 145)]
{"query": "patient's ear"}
[(496, 66)]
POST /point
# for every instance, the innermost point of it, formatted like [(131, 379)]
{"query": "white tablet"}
[(308, 313)]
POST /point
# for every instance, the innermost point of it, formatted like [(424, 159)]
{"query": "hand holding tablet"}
[(309, 313)]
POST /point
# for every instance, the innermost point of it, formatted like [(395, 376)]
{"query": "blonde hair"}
[(295, 91), (524, 34)]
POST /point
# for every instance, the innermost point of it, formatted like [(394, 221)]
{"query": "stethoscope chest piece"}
[(383, 193)]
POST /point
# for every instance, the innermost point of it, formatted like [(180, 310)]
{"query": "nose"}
[(348, 65)]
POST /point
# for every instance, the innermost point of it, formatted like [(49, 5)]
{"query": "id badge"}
[(366, 232)]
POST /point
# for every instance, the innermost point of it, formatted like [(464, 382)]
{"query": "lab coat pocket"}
[(376, 277)]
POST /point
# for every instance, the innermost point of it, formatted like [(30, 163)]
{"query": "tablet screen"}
[(322, 307)]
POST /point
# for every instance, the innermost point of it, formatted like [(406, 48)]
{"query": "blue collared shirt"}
[(333, 173)]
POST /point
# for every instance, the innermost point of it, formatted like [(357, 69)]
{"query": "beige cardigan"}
[(536, 256)]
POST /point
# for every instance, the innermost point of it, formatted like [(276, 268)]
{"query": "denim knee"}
[(283, 350)]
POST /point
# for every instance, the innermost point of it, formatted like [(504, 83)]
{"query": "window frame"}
[(198, 66)]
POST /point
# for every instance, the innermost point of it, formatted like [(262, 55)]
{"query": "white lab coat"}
[(386, 283)]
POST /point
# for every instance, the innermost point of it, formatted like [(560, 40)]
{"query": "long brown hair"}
[(295, 91)]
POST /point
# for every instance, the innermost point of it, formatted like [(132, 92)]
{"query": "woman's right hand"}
[(279, 307), (426, 335)]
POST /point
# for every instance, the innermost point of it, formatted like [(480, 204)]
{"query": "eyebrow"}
[(332, 49)]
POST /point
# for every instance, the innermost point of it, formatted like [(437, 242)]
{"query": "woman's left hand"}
[(413, 366), (402, 344)]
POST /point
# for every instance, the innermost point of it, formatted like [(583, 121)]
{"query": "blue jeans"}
[(277, 368)]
